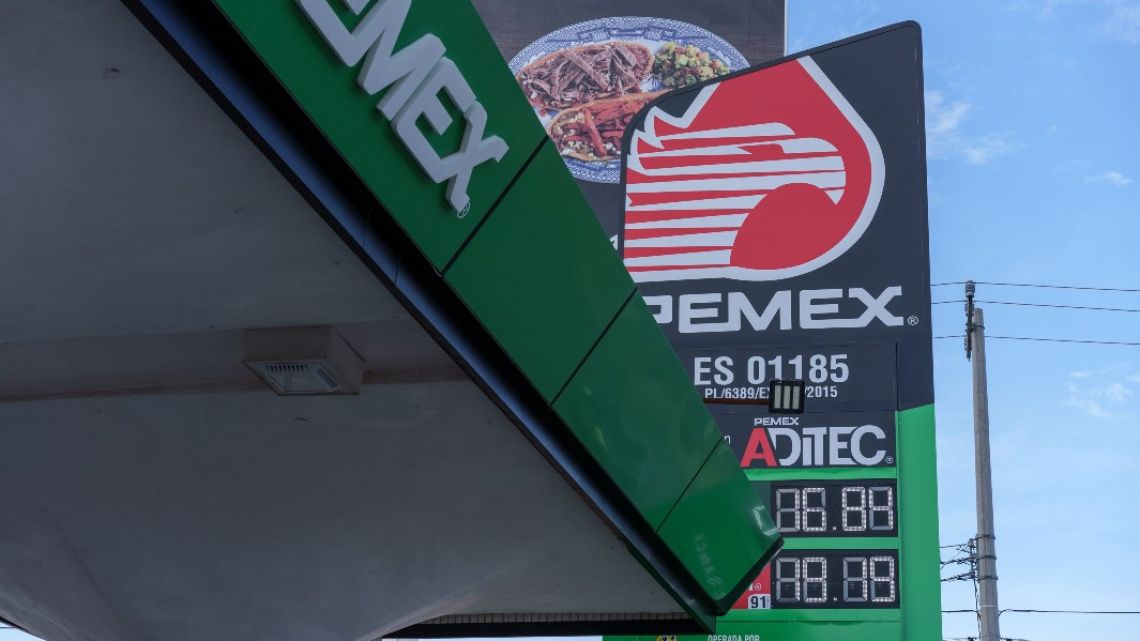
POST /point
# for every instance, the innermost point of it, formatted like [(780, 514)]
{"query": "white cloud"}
[(1048, 9), (1123, 22), (1045, 9), (1118, 19), (1117, 393), (944, 118), (1090, 406), (980, 150), (1105, 393), (946, 137), (1114, 178), (1070, 166)]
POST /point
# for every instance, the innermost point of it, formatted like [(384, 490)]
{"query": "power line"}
[(1035, 611), (1005, 302), (1039, 286), (966, 555), (976, 639), (1027, 611), (1050, 340)]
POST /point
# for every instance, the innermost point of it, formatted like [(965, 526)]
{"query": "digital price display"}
[(839, 508), (835, 579)]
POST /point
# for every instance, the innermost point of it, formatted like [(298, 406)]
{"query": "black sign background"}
[(880, 76)]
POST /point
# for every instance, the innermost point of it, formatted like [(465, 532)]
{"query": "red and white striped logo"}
[(767, 175)]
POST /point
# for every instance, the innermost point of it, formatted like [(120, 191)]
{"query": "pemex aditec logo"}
[(765, 176)]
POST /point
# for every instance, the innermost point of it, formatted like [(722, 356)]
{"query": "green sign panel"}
[(417, 100), (419, 106)]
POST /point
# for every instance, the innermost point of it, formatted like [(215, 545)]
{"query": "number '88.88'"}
[(835, 579)]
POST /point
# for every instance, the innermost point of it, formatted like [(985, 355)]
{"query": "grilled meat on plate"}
[(576, 75), (594, 131)]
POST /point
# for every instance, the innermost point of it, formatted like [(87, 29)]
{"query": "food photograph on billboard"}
[(587, 67), (586, 90)]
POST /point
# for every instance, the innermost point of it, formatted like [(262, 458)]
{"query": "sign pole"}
[(987, 558)]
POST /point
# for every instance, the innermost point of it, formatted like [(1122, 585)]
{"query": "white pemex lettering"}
[(414, 78), (715, 312)]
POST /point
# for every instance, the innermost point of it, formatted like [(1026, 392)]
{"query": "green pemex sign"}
[(412, 80), (416, 99), (775, 222), (390, 81)]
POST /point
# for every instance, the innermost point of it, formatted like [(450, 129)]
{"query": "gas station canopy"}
[(492, 434)]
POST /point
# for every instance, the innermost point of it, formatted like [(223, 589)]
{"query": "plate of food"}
[(586, 81)]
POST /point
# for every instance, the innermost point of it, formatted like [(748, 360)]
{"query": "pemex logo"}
[(766, 175)]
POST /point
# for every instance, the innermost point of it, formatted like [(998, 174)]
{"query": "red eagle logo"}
[(767, 175)]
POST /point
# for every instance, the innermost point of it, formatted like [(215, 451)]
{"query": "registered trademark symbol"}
[(890, 460), (912, 320), (462, 213)]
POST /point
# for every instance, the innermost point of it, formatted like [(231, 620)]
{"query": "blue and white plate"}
[(651, 32)]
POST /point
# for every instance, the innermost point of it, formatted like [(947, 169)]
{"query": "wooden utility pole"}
[(988, 610)]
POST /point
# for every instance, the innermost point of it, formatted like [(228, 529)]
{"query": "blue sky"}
[(1033, 119), (1032, 112)]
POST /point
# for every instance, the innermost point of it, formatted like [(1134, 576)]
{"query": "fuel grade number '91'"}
[(835, 376), (835, 508), (835, 579)]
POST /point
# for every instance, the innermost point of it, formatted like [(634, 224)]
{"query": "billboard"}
[(588, 66), (775, 222)]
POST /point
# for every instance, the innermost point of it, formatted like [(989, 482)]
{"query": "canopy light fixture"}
[(297, 361)]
